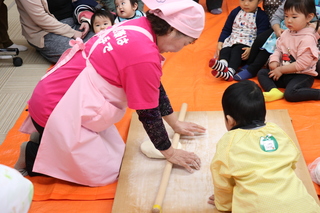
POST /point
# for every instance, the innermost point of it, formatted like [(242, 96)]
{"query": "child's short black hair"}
[(244, 102), (102, 12)]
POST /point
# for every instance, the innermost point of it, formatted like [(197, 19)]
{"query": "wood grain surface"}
[(140, 176)]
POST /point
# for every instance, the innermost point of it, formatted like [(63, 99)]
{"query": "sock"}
[(242, 75), (228, 76), (216, 11), (273, 95), (217, 65)]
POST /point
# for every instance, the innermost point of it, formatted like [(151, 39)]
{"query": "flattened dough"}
[(150, 151)]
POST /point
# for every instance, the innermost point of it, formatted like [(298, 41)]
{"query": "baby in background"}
[(253, 169), (126, 10), (101, 19)]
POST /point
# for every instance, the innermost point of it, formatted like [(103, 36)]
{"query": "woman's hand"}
[(182, 158), (85, 28), (187, 128), (211, 200), (77, 34)]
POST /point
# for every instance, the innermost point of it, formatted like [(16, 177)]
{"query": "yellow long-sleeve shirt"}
[(250, 175)]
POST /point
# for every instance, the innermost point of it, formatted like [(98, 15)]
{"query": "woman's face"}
[(173, 41)]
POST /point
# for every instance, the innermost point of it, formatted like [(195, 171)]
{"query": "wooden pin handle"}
[(168, 167)]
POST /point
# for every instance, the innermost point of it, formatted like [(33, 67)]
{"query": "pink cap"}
[(186, 16)]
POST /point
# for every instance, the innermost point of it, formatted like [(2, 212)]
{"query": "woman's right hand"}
[(182, 158), (77, 34)]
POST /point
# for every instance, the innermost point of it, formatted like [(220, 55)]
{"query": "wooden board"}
[(140, 176)]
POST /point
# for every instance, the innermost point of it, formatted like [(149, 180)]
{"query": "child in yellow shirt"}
[(253, 168)]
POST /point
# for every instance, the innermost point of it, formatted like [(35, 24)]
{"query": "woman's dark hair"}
[(102, 12), (159, 26), (302, 6), (244, 102)]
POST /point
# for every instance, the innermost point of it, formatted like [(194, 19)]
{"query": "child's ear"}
[(230, 122), (310, 17), (135, 6)]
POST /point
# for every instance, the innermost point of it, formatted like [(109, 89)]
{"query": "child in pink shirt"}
[(292, 65)]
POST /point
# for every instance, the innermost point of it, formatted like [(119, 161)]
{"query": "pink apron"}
[(80, 144)]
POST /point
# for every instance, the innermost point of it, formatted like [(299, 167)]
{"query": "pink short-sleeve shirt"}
[(127, 59)]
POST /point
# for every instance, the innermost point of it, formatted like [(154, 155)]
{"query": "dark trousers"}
[(232, 55), (4, 37), (32, 150), (298, 86), (258, 57), (212, 4)]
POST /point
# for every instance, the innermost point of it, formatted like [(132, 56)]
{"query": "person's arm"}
[(276, 19), (222, 180), (262, 21), (154, 126), (227, 29), (39, 14)]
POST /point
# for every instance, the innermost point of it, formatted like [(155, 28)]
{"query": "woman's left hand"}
[(188, 128)]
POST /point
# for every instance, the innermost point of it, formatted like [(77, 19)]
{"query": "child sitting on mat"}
[(253, 168), (243, 25), (101, 19), (293, 63)]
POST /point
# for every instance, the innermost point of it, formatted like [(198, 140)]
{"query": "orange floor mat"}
[(187, 79)]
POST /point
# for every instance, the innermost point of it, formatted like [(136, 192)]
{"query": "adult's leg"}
[(257, 44), (32, 150), (55, 45), (213, 4), (299, 89), (257, 58), (4, 37)]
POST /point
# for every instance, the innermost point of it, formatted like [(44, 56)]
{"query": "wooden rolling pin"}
[(167, 169)]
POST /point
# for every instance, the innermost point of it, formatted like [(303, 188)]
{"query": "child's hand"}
[(275, 74), (246, 53), (211, 200), (219, 47)]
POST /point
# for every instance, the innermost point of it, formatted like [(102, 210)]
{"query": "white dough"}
[(150, 151)]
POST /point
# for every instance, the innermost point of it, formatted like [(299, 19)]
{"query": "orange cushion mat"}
[(187, 79)]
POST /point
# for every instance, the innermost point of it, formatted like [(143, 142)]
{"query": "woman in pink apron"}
[(75, 105)]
